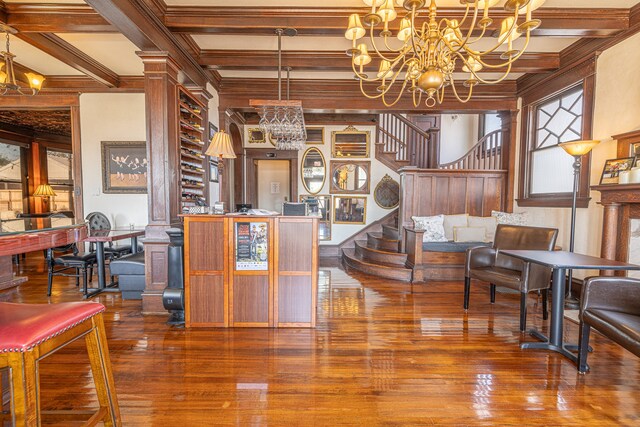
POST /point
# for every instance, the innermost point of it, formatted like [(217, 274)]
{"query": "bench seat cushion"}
[(128, 265), (451, 246)]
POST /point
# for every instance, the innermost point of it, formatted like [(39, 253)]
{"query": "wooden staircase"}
[(379, 255)]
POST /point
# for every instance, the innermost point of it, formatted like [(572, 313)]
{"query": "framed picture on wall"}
[(613, 167), (124, 167), (214, 173), (212, 130), (256, 136)]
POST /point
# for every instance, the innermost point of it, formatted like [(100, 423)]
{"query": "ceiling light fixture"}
[(8, 82), (433, 50), (282, 120)]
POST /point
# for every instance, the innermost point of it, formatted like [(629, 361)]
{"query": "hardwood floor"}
[(381, 355)]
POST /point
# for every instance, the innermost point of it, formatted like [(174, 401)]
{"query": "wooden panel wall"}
[(426, 192), (206, 255), (296, 274)]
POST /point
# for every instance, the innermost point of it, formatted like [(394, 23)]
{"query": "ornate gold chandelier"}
[(433, 50)]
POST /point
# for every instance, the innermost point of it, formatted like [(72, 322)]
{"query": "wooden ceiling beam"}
[(339, 61), (70, 55), (83, 84), (566, 22), (137, 22), (56, 18), (343, 96)]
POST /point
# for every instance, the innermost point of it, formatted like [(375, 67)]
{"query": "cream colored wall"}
[(273, 184), (110, 117), (214, 117), (617, 110), (340, 232), (458, 133)]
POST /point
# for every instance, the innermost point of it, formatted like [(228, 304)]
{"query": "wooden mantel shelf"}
[(621, 203)]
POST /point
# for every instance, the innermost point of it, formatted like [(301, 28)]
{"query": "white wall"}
[(110, 117), (617, 110), (273, 184), (458, 133), (340, 232)]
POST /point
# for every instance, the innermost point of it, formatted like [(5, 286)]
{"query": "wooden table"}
[(23, 235), (560, 262), (100, 237)]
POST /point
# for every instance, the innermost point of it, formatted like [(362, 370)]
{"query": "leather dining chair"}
[(487, 264), (99, 221)]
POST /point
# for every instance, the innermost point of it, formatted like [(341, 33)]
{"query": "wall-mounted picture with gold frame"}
[(350, 176), (320, 206), (315, 135), (256, 136), (350, 142), (387, 193), (349, 210)]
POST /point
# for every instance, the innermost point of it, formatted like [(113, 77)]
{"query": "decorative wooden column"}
[(509, 121), (621, 204), (160, 89)]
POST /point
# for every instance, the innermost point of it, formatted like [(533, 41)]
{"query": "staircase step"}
[(389, 232), (388, 271), (376, 240), (379, 256)]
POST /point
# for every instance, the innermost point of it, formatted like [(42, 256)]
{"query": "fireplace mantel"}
[(621, 203)]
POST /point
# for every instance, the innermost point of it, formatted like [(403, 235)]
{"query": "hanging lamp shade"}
[(44, 190), (221, 146)]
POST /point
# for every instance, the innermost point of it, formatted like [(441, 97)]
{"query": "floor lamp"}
[(577, 149)]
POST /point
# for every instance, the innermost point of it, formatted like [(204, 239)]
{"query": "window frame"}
[(23, 183), (585, 78)]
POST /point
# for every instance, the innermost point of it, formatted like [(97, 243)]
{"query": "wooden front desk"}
[(276, 287)]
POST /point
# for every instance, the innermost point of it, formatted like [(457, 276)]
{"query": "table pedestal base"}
[(7, 279)]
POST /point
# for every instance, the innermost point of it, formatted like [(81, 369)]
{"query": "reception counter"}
[(250, 271)]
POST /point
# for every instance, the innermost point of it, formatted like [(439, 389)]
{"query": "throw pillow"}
[(469, 234), (451, 221), (510, 218), (433, 227), (488, 222)]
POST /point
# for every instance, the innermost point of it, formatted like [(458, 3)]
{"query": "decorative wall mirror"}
[(313, 171), (387, 193), (315, 135), (349, 210), (256, 136), (320, 206), (350, 142), (350, 176)]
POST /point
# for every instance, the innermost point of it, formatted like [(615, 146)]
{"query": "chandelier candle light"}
[(433, 50), (283, 120), (8, 76)]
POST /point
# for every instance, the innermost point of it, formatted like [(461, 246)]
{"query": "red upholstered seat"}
[(23, 326)]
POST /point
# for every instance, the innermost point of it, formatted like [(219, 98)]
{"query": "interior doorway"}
[(290, 165), (274, 183)]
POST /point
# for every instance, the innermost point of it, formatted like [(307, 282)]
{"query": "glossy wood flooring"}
[(381, 355)]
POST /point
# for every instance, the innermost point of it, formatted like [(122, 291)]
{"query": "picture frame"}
[(124, 167), (634, 150), (350, 142), (612, 169), (256, 136), (212, 130), (315, 135), (214, 172), (349, 176), (349, 210), (320, 206)]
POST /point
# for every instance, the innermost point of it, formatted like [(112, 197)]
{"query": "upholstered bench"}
[(130, 272)]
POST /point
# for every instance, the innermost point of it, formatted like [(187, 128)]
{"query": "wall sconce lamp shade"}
[(221, 146), (578, 148), (44, 190)]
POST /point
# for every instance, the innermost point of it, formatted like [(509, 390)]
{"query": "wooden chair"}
[(30, 332)]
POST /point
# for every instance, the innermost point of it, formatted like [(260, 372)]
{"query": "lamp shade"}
[(44, 190), (578, 148), (221, 146)]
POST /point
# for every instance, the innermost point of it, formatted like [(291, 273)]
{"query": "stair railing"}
[(486, 154), (398, 135)]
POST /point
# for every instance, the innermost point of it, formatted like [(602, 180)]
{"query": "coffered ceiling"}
[(91, 46)]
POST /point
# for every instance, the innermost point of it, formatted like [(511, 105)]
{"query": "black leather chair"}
[(611, 305), (99, 221), (488, 265), (74, 261), (130, 272)]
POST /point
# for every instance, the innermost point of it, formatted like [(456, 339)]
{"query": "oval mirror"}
[(350, 177), (313, 170)]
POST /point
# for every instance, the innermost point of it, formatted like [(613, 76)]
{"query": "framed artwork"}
[(635, 150), (612, 169), (212, 130), (350, 142), (320, 206), (124, 167), (349, 210), (214, 173), (315, 135), (349, 176), (387, 193), (256, 136)]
